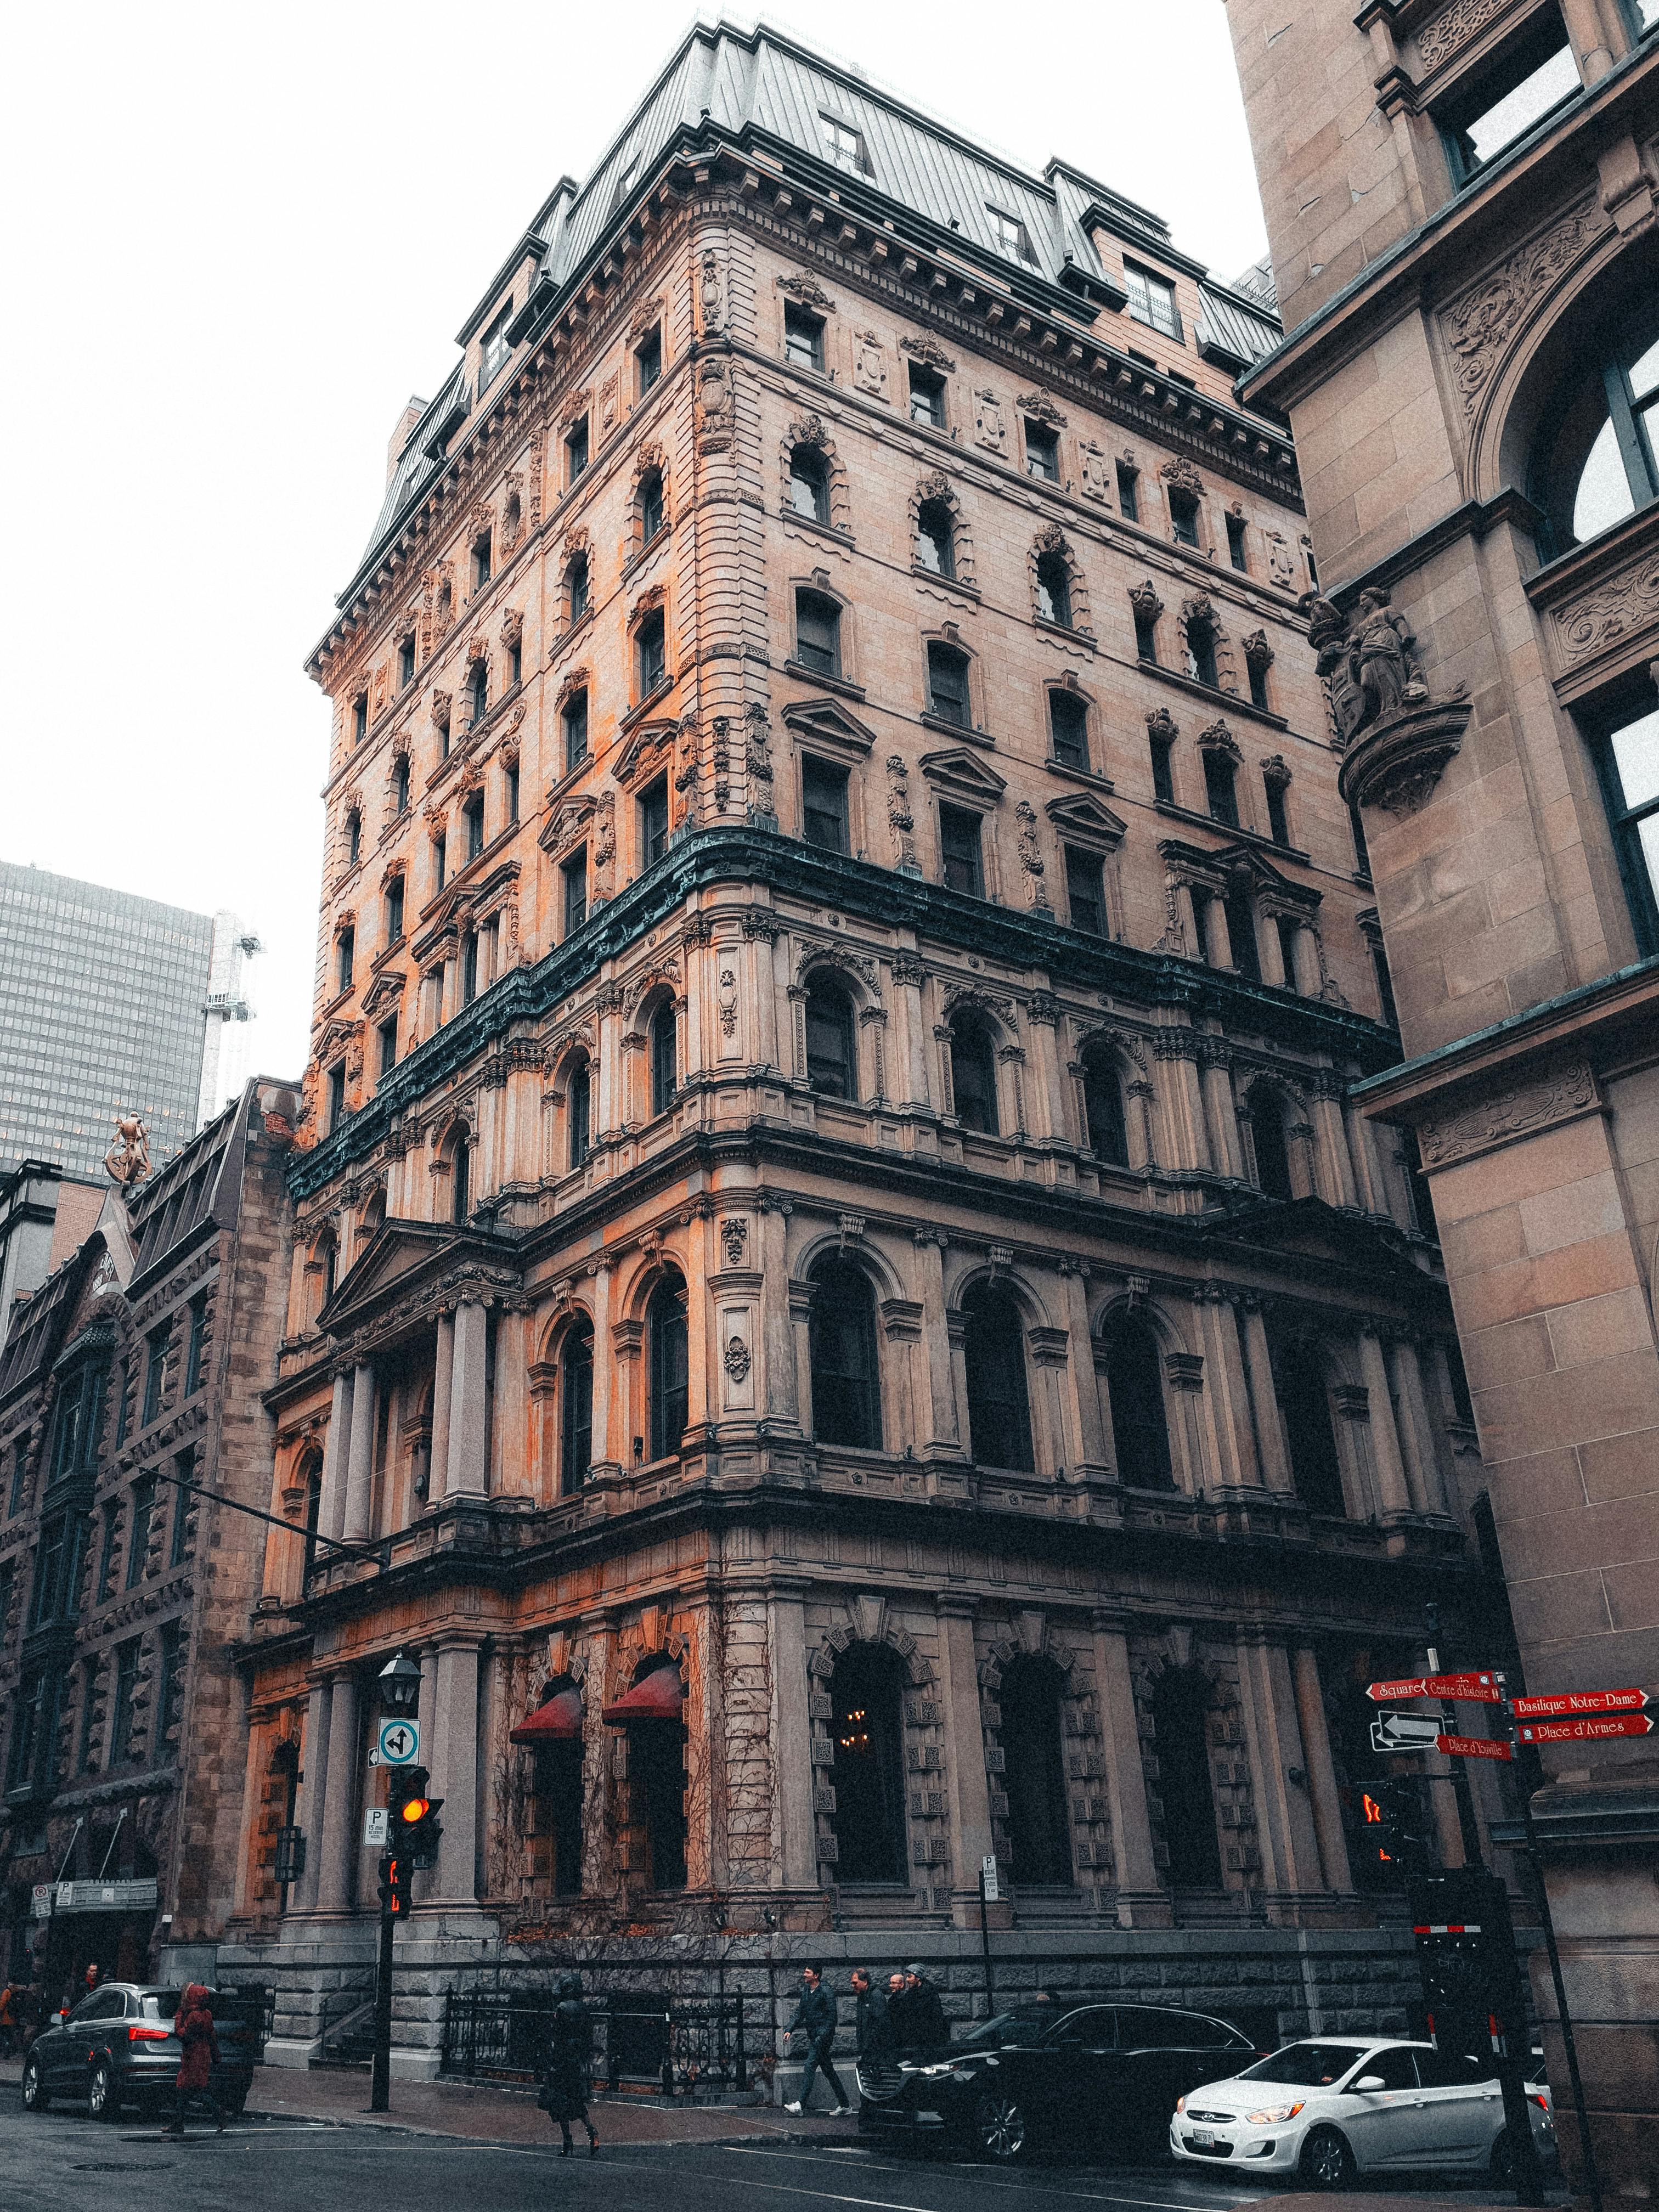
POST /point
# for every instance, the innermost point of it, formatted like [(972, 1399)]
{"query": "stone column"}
[(1220, 1107), (794, 1826), (443, 1381), (1391, 1487), (1367, 1173), (469, 1409), (360, 1462), (782, 1379), (1215, 937), (765, 983), (1590, 40), (1188, 1138), (1324, 1792), (1309, 977), (339, 1800), (1284, 1823), (945, 1424), (599, 1755), (1271, 953), (911, 1043), (455, 1747), (313, 1791), (1420, 1432), (606, 1449), (1331, 1138), (1142, 1899), (1093, 1457), (513, 1462), (1276, 1469), (331, 1516), (1232, 1434), (968, 1789), (1044, 1100)]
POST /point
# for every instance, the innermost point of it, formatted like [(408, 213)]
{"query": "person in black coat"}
[(564, 2081), (873, 2025), (816, 2016), (925, 2027)]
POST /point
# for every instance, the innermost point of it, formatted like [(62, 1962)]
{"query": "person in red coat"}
[(193, 2026)]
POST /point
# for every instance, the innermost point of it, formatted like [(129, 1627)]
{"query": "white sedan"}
[(1341, 2105)]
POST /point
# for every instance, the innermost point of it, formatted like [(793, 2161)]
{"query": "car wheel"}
[(1000, 2127), (1326, 2162), (103, 2100), (36, 2096)]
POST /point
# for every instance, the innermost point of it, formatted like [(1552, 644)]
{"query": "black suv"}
[(118, 2048), (1100, 2078)]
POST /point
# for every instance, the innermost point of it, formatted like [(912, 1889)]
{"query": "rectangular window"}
[(802, 339), (83, 1758), (511, 782), (1384, 987), (28, 1708), (144, 1512), (359, 718), (20, 1478), (106, 1582), (653, 822), (337, 1095), (126, 1682), (1086, 895), (344, 953), (196, 1347), (1287, 931), (48, 1570), (1011, 234), (1257, 672), (574, 872), (440, 860), (406, 662), (1220, 774), (575, 450), (947, 686), (1278, 822), (443, 745), (1146, 633), (648, 360), (1068, 729), (651, 649), (169, 1683), (387, 1033), (515, 664), (472, 816), (1624, 734), (394, 910), (843, 143), (823, 803), (1184, 517), (155, 1368), (481, 560), (959, 845), (1152, 300), (493, 353), (469, 967), (1237, 552), (1129, 503), (1533, 73), (1041, 452), (185, 1467), (818, 633), (927, 396)]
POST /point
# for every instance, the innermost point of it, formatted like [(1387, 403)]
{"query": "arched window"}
[(1102, 1106), (974, 1072), (1594, 461), (1181, 1704), (477, 690), (575, 1405), (842, 1350), (867, 1694), (1053, 589), (667, 1352), (1305, 1408), (809, 484), (1039, 1837), (578, 590), (993, 1350), (1140, 1428), (460, 1172), (831, 1059), (648, 502), (578, 1107), (663, 1042), (935, 549), (1272, 1155)]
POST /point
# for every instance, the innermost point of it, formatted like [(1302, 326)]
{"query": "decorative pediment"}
[(650, 746), (1041, 409), (1082, 820), (386, 990), (1240, 862), (929, 350), (957, 769), (809, 292), (567, 825), (1181, 475), (409, 1261), (826, 722)]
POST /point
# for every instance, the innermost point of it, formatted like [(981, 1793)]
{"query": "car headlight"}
[(1181, 2103), (946, 2066), (1272, 2116)]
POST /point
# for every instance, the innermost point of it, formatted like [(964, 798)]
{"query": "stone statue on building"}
[(1369, 660), (127, 1161)]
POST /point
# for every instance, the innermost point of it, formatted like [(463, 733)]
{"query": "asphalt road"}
[(62, 2161)]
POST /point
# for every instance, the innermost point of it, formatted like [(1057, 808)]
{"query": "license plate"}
[(1203, 2138)]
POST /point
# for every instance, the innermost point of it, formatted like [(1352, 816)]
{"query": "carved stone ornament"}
[(1281, 560), (737, 1359), (869, 364), (1275, 771), (989, 429), (1398, 763), (711, 293), (1162, 727), (1554, 1096), (1041, 409), (1624, 601), (1479, 324), (1145, 600), (1454, 26), (929, 350), (1181, 475), (1368, 662), (1256, 650), (734, 1240), (808, 430), (716, 404), (809, 292), (1219, 738), (1095, 469)]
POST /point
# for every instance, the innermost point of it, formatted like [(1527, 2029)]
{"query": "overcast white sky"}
[(239, 238)]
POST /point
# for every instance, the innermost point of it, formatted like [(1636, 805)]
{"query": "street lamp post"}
[(399, 1684)]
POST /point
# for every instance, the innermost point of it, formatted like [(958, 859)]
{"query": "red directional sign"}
[(1588, 1731), (1579, 1701), (1483, 1688), (1474, 1746)]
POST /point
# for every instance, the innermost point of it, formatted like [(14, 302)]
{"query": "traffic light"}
[(1471, 1986), (413, 1828), (394, 1882), (1393, 1833)]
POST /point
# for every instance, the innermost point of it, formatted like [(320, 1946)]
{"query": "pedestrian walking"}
[(926, 2027), (873, 2023), (898, 2004), (816, 2016), (8, 2028), (564, 2081), (193, 2026), (31, 2015)]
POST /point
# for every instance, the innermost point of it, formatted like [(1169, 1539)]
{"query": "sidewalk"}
[(509, 2115)]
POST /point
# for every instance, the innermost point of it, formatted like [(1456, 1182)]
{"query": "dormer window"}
[(493, 353), (843, 143), (802, 339), (1011, 236), (1152, 300)]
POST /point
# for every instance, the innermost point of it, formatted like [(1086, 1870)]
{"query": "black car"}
[(1101, 2079), (118, 2048)]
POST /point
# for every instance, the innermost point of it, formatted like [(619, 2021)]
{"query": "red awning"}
[(559, 1721), (659, 1696)]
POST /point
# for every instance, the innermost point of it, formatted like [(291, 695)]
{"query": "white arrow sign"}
[(1404, 1732), (400, 1743)]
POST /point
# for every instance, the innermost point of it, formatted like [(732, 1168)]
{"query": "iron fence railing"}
[(681, 2046)]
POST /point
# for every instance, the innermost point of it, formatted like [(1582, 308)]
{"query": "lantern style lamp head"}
[(400, 1684)]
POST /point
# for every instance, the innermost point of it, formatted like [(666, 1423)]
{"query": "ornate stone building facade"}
[(831, 1248), (142, 1358), (1460, 203)]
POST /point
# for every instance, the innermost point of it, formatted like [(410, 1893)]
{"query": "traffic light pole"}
[(1469, 1827), (379, 2094)]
